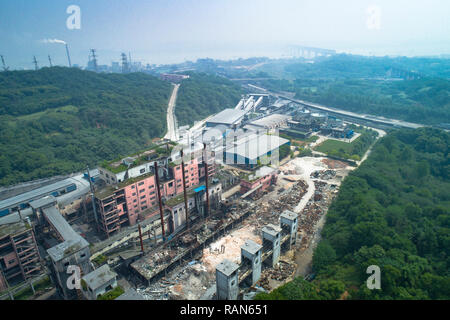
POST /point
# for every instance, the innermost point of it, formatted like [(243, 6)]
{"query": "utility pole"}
[(50, 61), (36, 67)]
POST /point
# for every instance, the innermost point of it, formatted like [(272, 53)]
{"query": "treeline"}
[(347, 66), (202, 95), (392, 212), (58, 120), (424, 101)]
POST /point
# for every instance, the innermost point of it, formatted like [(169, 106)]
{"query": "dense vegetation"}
[(423, 101), (393, 212), (345, 66), (58, 120), (202, 95)]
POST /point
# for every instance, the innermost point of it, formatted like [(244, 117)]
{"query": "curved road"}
[(171, 121)]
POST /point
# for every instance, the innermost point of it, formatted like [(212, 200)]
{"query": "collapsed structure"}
[(229, 275)]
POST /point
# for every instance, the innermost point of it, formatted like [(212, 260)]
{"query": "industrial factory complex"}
[(219, 213)]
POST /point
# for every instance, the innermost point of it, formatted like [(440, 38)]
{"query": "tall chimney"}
[(205, 159), (160, 201), (68, 55), (185, 192)]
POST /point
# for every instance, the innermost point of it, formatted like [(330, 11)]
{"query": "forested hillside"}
[(58, 120), (422, 101), (202, 95), (393, 212)]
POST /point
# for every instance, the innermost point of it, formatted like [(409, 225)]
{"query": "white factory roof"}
[(271, 120), (227, 116), (35, 194), (280, 103), (257, 146)]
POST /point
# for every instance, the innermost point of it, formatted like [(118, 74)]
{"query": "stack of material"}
[(283, 272)]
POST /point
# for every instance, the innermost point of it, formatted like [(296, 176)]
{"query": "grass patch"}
[(354, 150), (100, 259), (111, 295)]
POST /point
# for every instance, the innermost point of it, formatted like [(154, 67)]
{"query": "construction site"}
[(187, 266)]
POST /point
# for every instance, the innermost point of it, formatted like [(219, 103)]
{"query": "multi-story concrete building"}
[(137, 198), (19, 255), (258, 182)]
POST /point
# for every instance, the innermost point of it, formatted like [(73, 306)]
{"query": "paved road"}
[(365, 117), (171, 121)]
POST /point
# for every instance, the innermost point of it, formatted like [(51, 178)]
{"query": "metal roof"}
[(61, 225), (257, 146), (49, 200), (227, 116), (72, 240), (34, 194), (270, 120)]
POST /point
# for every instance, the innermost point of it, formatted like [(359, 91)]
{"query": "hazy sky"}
[(168, 31)]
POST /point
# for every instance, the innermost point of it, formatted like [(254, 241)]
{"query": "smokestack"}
[(205, 159), (184, 190), (140, 238), (160, 201), (68, 55)]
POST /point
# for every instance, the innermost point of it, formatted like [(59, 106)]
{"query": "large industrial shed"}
[(248, 151), (227, 117)]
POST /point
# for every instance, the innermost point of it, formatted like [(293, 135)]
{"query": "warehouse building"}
[(227, 117), (253, 148)]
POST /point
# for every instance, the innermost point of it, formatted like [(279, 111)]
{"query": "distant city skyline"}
[(163, 32)]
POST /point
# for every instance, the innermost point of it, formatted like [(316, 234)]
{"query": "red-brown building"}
[(258, 182)]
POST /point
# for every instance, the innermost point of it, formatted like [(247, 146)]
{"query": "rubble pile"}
[(188, 283), (313, 211), (283, 271), (324, 174), (334, 164)]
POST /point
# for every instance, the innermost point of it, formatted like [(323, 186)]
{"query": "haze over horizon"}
[(160, 32)]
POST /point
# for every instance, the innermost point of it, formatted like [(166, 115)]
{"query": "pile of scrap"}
[(188, 282), (324, 174), (283, 271), (313, 212), (188, 239)]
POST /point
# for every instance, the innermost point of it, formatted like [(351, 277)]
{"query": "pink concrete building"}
[(258, 182), (123, 204)]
